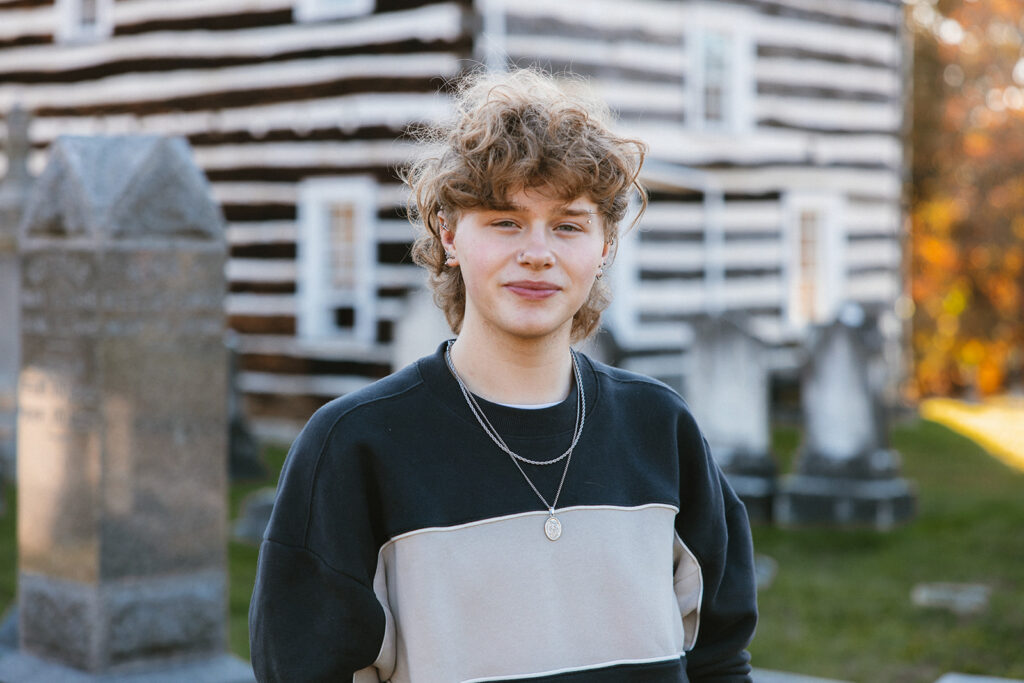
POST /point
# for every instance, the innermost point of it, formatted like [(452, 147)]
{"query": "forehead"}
[(542, 199)]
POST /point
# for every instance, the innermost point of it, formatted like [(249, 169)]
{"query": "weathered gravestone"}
[(846, 476), (122, 428), (13, 193), (419, 331), (254, 515), (727, 387)]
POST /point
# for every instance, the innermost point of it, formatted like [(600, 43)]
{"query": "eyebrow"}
[(578, 212)]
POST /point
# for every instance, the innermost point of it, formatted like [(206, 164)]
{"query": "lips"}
[(532, 289)]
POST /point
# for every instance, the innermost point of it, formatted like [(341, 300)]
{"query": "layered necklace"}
[(552, 526)]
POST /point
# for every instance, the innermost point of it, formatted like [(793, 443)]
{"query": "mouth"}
[(532, 289)]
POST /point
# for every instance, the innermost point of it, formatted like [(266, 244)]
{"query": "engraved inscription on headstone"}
[(122, 437)]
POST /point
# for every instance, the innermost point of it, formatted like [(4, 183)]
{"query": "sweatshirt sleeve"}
[(713, 524), (314, 615)]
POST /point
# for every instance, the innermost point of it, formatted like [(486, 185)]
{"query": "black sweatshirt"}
[(405, 546)]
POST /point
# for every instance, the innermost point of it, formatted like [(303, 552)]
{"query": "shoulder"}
[(610, 374), (399, 395), (326, 465), (380, 395), (651, 403), (341, 424), (623, 385)]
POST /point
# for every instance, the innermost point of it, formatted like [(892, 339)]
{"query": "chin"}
[(537, 330)]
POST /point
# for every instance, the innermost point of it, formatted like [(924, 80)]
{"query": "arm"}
[(713, 525), (314, 615)]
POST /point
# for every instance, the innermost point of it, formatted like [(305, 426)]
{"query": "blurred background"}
[(830, 271)]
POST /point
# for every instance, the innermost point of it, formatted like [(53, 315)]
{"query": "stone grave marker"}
[(254, 515), (845, 474), (960, 598), (419, 330), (14, 191), (727, 387), (122, 472)]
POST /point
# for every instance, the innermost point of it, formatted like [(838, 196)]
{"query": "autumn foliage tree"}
[(967, 197)]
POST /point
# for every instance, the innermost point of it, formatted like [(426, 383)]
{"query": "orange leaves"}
[(1013, 260), (939, 214), (977, 145), (938, 252), (1004, 294), (1006, 8), (1018, 227), (967, 227), (984, 360)]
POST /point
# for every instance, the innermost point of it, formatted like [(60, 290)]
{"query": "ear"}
[(448, 239), (604, 252)]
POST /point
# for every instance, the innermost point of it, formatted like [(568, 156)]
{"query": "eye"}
[(505, 223), (569, 227)]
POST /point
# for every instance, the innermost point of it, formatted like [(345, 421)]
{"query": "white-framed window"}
[(320, 10), (815, 269), (83, 21), (336, 282), (719, 78)]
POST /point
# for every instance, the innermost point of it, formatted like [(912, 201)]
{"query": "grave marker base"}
[(19, 667), (881, 504)]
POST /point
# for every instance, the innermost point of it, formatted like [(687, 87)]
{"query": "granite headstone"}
[(122, 472), (845, 474), (419, 330), (727, 388)]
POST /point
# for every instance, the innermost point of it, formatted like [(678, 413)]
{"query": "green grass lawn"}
[(840, 605)]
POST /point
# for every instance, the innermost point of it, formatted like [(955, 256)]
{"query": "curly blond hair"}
[(513, 131)]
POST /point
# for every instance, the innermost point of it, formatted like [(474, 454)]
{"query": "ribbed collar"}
[(510, 422)]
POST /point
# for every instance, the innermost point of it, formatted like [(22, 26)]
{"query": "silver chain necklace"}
[(552, 526)]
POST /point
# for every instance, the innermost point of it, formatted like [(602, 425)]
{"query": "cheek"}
[(594, 257)]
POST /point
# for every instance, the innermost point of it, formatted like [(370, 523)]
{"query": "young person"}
[(507, 509)]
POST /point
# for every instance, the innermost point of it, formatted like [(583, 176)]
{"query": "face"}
[(527, 268)]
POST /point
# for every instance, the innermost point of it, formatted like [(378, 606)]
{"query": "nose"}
[(536, 251)]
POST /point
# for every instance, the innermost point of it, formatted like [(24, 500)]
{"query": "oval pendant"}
[(552, 528)]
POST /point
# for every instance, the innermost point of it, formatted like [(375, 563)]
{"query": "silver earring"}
[(600, 271)]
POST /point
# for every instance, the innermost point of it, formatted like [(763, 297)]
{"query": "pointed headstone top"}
[(727, 387), (838, 403), (726, 324), (137, 186)]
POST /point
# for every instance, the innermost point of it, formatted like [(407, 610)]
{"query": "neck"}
[(517, 371)]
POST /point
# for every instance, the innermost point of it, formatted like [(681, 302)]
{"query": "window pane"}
[(807, 294), (88, 13), (343, 246), (717, 70)]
